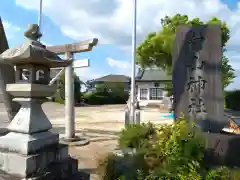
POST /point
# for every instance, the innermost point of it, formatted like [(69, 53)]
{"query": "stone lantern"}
[(30, 148)]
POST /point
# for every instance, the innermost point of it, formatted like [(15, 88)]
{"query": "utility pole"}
[(40, 18), (134, 31)]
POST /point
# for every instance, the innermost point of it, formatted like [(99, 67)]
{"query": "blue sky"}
[(110, 21), (20, 17)]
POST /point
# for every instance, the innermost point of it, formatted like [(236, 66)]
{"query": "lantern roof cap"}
[(32, 52)]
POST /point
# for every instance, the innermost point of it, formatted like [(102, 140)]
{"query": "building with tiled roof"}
[(150, 84)]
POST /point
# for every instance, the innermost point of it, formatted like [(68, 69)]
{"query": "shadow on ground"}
[(94, 135), (84, 174), (61, 130)]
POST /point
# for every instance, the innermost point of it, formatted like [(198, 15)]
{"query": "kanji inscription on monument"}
[(197, 86)]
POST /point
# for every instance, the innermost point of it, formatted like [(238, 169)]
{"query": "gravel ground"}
[(101, 124)]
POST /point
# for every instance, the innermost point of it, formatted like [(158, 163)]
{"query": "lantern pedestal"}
[(51, 163), (30, 149)]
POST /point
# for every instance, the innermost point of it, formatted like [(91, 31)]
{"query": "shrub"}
[(86, 95), (125, 167), (179, 148), (169, 152), (221, 173), (107, 167), (94, 99), (60, 101), (99, 98), (232, 99), (134, 135)]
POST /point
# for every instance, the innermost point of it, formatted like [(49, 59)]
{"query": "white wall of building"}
[(148, 85)]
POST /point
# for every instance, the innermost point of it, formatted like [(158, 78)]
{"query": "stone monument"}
[(30, 150), (198, 92), (197, 86), (8, 108)]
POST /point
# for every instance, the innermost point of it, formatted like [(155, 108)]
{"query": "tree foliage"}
[(77, 87), (156, 49)]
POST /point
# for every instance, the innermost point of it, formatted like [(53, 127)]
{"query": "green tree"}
[(77, 87), (101, 88), (115, 87), (156, 49)]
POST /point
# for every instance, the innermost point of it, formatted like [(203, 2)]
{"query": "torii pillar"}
[(69, 50)]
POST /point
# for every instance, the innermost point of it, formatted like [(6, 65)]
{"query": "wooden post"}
[(69, 50)]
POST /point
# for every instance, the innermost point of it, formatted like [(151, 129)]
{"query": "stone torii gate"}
[(68, 50)]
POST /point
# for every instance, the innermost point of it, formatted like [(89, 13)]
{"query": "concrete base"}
[(27, 143), (63, 170), (222, 150), (76, 141), (53, 159)]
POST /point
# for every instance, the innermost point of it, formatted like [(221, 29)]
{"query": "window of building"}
[(143, 94), (156, 94), (156, 84)]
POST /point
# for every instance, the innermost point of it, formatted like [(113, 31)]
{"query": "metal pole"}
[(69, 100), (134, 31), (40, 17)]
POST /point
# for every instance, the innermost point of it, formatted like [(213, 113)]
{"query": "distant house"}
[(150, 84), (110, 80)]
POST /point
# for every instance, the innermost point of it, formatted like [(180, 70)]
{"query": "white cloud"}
[(121, 66), (111, 20), (8, 26), (10, 29), (118, 63), (235, 65), (87, 73), (234, 59)]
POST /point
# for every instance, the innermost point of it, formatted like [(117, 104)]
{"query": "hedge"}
[(232, 100), (100, 98), (60, 101)]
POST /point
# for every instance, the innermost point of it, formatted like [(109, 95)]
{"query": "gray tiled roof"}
[(113, 78), (153, 75)]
